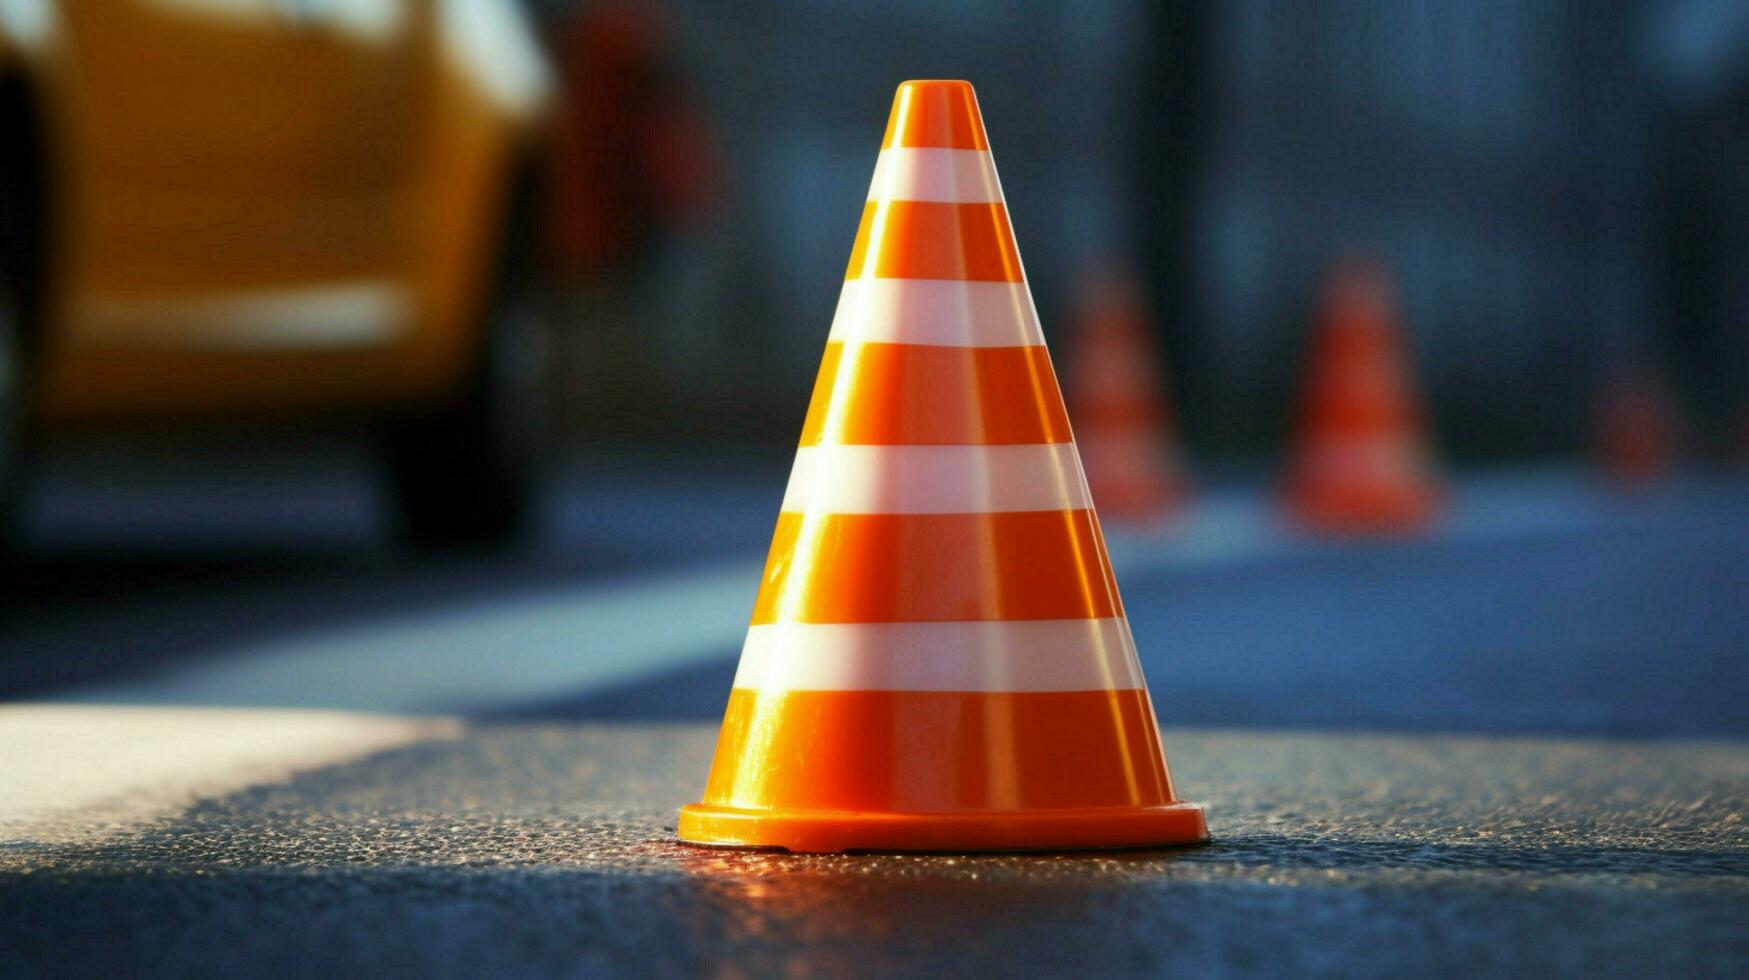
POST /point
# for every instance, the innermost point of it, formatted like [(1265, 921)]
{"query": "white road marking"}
[(76, 772), (475, 659)]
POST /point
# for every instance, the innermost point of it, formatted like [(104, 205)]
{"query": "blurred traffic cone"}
[(1637, 431), (632, 154), (1123, 426), (938, 658), (1362, 461)]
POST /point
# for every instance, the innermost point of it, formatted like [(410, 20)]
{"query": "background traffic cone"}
[(1638, 434), (938, 658), (1362, 461), (1117, 393)]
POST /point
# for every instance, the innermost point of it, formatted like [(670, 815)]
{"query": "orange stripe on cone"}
[(910, 770), (1067, 751), (910, 394), (936, 113), (886, 568), (935, 240)]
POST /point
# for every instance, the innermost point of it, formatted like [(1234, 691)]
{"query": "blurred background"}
[(1556, 188), (627, 222)]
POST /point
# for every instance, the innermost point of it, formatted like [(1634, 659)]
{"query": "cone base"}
[(827, 832)]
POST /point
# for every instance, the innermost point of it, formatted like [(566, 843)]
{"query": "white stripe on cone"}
[(1012, 655), (938, 312), (933, 174), (935, 479)]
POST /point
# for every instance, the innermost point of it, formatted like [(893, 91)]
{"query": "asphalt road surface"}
[(1543, 603), (549, 851), (262, 740)]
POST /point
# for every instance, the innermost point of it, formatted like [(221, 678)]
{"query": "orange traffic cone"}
[(1637, 431), (1123, 425), (938, 657), (1362, 461)]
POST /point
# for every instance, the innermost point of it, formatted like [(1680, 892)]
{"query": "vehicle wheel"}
[(21, 264), (466, 473)]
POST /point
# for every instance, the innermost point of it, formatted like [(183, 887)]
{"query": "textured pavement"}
[(548, 850), (539, 843), (1535, 608), (1543, 604)]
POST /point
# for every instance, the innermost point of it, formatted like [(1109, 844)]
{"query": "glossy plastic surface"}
[(938, 656)]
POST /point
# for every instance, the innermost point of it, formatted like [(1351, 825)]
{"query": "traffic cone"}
[(1637, 431), (938, 658), (1362, 461), (1123, 424)]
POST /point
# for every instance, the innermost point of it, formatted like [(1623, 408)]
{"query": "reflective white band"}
[(932, 174), (935, 479), (941, 312), (1009, 655)]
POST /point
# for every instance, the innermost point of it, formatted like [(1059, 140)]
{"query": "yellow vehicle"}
[(225, 208)]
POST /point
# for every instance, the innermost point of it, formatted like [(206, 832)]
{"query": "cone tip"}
[(933, 112), (921, 85)]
